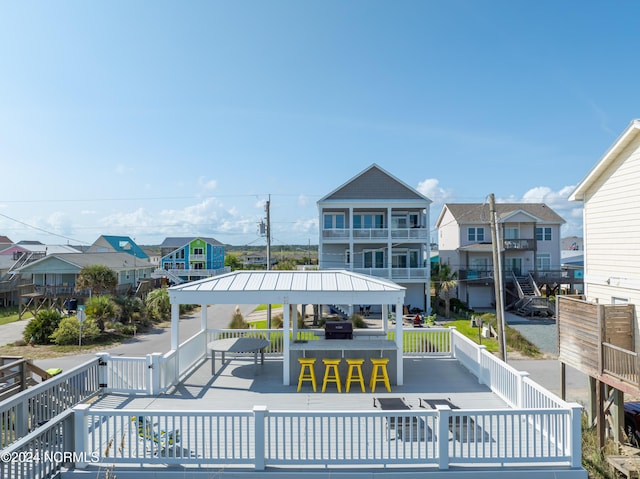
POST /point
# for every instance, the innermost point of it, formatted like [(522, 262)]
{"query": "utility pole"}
[(267, 208), (497, 274)]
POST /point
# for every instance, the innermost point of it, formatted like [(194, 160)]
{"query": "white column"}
[(203, 317), (175, 319), (286, 344), (399, 345), (389, 247), (385, 319), (351, 248)]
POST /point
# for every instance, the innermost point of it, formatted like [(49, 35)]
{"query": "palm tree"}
[(97, 278), (444, 281)]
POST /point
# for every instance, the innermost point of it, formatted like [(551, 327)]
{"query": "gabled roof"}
[(115, 261), (292, 287), (5, 240), (179, 241), (479, 212), (120, 244), (374, 183), (628, 135)]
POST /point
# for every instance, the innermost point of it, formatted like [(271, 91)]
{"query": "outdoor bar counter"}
[(362, 346)]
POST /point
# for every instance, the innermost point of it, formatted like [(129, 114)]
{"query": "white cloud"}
[(207, 184), (558, 201), (431, 189)]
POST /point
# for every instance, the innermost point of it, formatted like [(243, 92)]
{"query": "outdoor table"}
[(237, 345)]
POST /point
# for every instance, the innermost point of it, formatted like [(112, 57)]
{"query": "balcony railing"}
[(364, 234), (396, 273), (620, 363), (519, 244)]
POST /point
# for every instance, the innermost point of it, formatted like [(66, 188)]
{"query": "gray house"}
[(375, 224)]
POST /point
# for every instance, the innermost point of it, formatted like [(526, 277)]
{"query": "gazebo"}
[(292, 288)]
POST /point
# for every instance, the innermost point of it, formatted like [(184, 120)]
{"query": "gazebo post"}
[(385, 319), (203, 317), (175, 321), (286, 342), (399, 345)]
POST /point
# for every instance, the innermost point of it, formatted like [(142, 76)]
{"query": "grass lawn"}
[(9, 315)]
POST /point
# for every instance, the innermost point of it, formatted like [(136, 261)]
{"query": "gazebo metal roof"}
[(291, 287)]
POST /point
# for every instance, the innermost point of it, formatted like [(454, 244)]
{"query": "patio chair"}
[(150, 431)]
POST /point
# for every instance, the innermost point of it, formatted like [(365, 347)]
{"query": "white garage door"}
[(481, 296)]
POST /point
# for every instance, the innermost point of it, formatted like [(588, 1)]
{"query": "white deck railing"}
[(43, 452), (261, 438), (37, 405)]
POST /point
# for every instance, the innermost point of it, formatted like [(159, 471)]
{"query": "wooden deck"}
[(241, 385)]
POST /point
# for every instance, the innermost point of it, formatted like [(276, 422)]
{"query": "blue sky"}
[(157, 118)]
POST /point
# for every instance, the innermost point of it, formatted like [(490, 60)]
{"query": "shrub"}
[(131, 308), (158, 305), (101, 309), (68, 331), (42, 326), (238, 322), (358, 321), (277, 321)]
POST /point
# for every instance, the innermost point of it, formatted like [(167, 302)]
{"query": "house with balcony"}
[(529, 249), (378, 225), (190, 258), (53, 278), (599, 330)]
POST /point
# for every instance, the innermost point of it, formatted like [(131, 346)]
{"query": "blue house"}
[(191, 258)]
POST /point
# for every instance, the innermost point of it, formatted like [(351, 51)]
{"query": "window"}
[(399, 221), (199, 251), (511, 233), (368, 221), (414, 220), (334, 221), (543, 234), (374, 259), (543, 261), (475, 234)]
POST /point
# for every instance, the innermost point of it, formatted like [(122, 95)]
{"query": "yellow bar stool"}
[(331, 373), (354, 373), (379, 373), (306, 372)]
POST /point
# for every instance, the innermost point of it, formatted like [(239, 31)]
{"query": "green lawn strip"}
[(263, 307)]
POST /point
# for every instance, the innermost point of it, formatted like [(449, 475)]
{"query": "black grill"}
[(338, 330)]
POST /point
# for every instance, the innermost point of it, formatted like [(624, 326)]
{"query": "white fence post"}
[(260, 415), (154, 360), (482, 350), (103, 365), (576, 434), (444, 414), (520, 392), (80, 433), (452, 342)]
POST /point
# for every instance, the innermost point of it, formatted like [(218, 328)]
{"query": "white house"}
[(611, 199)]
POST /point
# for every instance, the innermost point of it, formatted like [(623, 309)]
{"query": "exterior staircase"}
[(530, 302), (167, 273)]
